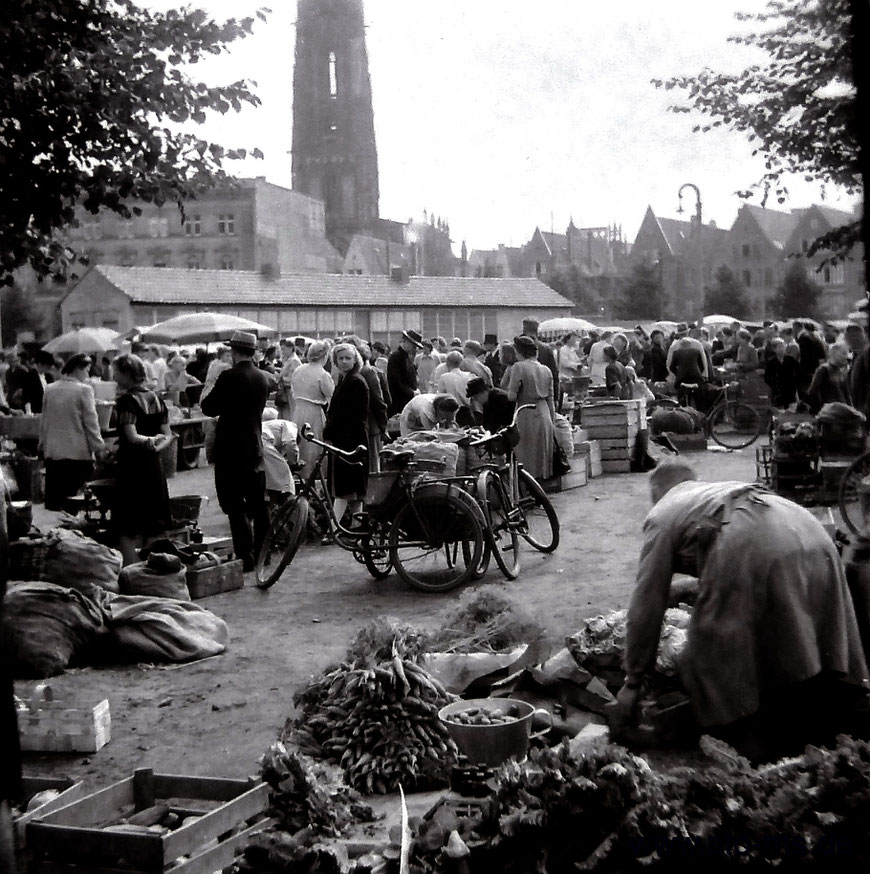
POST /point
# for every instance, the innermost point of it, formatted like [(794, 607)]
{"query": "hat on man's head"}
[(244, 341), (475, 386), (490, 340), (414, 336), (682, 328), (475, 347), (530, 325), (526, 345), (456, 342)]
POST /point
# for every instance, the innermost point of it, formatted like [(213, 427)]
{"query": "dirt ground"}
[(216, 717)]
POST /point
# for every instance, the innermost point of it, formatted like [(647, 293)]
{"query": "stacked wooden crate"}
[(614, 425), (589, 451)]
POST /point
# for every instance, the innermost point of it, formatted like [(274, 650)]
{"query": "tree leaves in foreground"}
[(797, 106), (95, 96)]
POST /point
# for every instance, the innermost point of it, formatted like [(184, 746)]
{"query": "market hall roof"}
[(170, 285)]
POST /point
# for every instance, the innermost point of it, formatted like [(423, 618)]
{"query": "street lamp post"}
[(698, 227)]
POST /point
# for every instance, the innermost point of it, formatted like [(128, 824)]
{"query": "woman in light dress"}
[(530, 382), (312, 389)]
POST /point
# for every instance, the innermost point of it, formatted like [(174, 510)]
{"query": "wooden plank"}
[(69, 791), (206, 788), (94, 808), (221, 857), (95, 846), (619, 443), (610, 432), (143, 788), (186, 839), (612, 466)]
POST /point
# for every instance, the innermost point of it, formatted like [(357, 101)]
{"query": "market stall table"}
[(191, 438)]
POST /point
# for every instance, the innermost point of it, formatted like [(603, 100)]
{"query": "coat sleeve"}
[(90, 420), (377, 404), (649, 600)]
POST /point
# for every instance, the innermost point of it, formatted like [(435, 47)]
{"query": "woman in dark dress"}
[(345, 427), (141, 506)]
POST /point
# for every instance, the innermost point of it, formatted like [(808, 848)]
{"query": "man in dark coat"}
[(813, 353), (492, 360), (401, 371), (238, 399)]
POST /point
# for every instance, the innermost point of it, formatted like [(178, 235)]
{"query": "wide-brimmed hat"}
[(490, 340), (475, 386), (474, 346), (682, 328), (244, 341), (526, 345), (414, 336)]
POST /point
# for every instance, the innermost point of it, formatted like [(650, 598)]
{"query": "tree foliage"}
[(570, 283), (798, 295), (643, 295), (797, 107), (727, 294), (95, 97), (19, 314)]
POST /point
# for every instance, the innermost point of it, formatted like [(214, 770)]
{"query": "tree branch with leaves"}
[(97, 95)]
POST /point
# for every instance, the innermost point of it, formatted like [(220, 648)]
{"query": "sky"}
[(504, 115)]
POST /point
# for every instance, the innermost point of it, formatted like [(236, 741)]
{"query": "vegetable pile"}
[(376, 715), (608, 811)]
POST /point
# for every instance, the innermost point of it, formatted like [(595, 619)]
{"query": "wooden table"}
[(191, 438)]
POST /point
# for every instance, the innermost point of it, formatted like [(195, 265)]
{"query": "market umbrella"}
[(665, 325), (564, 324), (718, 319), (202, 328), (83, 340)]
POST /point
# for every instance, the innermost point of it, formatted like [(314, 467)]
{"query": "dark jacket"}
[(402, 379), (377, 418), (548, 359), (655, 363), (346, 428), (829, 385), (687, 365), (32, 391), (238, 399), (496, 368), (812, 354), (783, 377)]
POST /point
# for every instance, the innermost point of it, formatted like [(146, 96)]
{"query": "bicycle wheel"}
[(541, 528), (850, 493), (286, 532), (500, 531), (375, 551), (735, 425), (436, 541)]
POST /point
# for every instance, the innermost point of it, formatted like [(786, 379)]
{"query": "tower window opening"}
[(333, 76)]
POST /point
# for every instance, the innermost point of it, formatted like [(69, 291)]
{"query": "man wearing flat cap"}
[(401, 372), (238, 399)]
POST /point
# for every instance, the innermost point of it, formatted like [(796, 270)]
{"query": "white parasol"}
[(87, 340), (202, 328)]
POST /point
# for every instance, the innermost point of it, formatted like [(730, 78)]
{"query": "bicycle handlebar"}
[(503, 431), (352, 456)]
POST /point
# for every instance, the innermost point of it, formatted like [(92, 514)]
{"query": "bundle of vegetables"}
[(309, 794), (376, 715), (600, 643), (304, 852), (487, 621), (608, 811)]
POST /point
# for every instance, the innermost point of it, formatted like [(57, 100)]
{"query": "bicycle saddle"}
[(689, 385), (397, 456)]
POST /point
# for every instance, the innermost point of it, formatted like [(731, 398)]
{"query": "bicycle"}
[(514, 504), (728, 421), (431, 532), (851, 498)]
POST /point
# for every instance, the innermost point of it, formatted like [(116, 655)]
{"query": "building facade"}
[(316, 305), (334, 153), (246, 224)]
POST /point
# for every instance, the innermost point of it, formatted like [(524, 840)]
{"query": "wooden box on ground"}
[(590, 450), (226, 577), (222, 547), (687, 442), (73, 839), (49, 726), (70, 790), (575, 478)]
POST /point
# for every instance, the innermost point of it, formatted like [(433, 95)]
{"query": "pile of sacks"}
[(73, 604)]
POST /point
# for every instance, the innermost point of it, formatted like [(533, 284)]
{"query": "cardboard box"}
[(75, 837), (49, 726)]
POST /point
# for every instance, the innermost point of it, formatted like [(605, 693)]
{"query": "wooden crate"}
[(609, 465), (220, 546), (72, 840), (575, 478), (226, 577), (591, 451), (613, 432), (49, 726), (70, 790)]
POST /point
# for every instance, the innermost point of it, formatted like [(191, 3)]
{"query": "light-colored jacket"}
[(70, 428)]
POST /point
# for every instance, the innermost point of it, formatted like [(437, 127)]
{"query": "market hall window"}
[(227, 225), (193, 226)]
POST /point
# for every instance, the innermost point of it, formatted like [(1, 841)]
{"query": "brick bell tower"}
[(334, 154)]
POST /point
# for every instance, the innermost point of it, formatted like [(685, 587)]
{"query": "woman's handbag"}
[(561, 465)]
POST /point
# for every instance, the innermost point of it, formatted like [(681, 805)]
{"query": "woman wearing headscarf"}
[(69, 432), (530, 382), (141, 506), (345, 428), (312, 388)]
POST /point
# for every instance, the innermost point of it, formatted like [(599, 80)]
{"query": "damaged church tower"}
[(334, 154)]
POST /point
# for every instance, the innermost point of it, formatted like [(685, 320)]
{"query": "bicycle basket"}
[(379, 487)]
